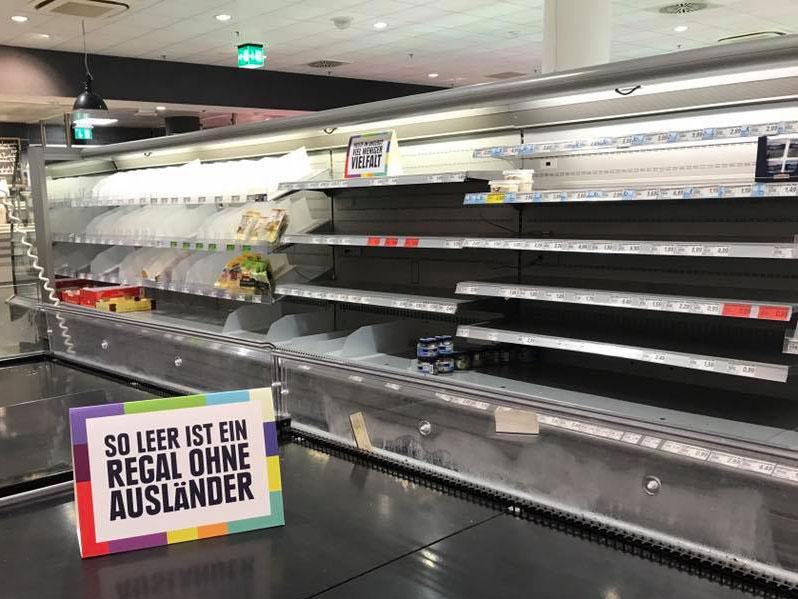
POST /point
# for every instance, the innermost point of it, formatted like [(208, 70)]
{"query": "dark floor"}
[(351, 531)]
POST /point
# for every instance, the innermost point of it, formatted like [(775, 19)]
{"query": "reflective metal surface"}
[(34, 407), (595, 473), (350, 531)]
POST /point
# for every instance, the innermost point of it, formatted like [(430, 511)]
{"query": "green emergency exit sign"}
[(251, 56), (83, 133)]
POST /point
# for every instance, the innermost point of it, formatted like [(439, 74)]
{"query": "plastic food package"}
[(523, 177), (249, 272), (504, 186)]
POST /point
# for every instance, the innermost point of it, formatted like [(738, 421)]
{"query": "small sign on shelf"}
[(373, 155)]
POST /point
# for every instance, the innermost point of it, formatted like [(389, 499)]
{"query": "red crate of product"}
[(89, 296), (69, 296)]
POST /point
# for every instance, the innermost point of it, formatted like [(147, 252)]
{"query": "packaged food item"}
[(504, 186), (463, 360), (126, 304), (477, 358), (269, 228), (249, 273), (522, 177), (444, 364), (427, 347), (247, 224), (69, 296), (426, 365), (89, 296), (445, 344)]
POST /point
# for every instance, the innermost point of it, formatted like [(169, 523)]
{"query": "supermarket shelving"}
[(735, 133), (714, 249), (189, 244), (770, 311), (400, 301), (420, 179), (188, 200), (647, 193), (388, 241), (721, 365), (188, 288)]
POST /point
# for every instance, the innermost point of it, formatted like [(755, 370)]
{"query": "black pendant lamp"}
[(88, 99)]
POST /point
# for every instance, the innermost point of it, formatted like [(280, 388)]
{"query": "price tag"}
[(743, 369), (786, 473), (709, 364), (632, 438), (690, 451)]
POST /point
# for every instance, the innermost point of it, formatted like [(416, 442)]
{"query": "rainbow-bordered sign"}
[(372, 155), (164, 471)]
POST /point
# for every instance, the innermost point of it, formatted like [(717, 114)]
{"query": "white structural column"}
[(576, 33)]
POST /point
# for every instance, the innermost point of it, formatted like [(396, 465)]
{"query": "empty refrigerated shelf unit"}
[(639, 300)]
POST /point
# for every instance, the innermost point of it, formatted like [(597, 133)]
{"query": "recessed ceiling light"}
[(19, 18), (160, 108), (380, 25), (223, 17), (680, 28), (44, 36), (432, 75)]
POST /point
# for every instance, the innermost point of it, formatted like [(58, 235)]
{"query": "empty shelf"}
[(426, 179), (399, 301), (730, 366), (715, 249), (208, 245), (637, 140), (83, 201), (679, 192), (391, 241), (625, 299)]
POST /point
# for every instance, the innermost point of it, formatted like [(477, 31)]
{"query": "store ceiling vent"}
[(747, 37), (326, 64), (682, 8), (505, 75), (85, 9)]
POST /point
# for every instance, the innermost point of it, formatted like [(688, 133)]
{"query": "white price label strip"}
[(635, 140), (687, 450), (408, 302), (660, 248), (765, 311)]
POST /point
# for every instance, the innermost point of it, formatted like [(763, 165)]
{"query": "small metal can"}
[(444, 365), (445, 344), (505, 354), (426, 365), (462, 360), (427, 347)]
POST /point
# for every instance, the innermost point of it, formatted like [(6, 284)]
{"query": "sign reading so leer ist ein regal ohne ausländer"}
[(164, 471)]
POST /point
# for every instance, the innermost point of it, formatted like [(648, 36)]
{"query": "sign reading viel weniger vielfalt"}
[(372, 155), (163, 471)]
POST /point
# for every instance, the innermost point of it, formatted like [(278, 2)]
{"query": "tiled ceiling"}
[(464, 41)]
